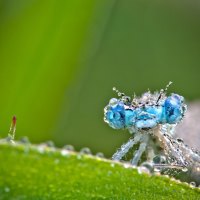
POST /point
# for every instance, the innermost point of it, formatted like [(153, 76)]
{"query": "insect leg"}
[(150, 153), (140, 151), (125, 147)]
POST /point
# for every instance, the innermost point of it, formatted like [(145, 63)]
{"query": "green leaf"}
[(40, 172)]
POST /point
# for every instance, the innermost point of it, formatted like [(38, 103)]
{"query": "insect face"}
[(145, 114), (174, 108), (115, 114)]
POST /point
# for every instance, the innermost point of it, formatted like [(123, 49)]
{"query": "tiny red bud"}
[(14, 120)]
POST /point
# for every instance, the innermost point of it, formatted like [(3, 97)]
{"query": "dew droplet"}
[(126, 99), (113, 101), (148, 166), (142, 170), (100, 155), (24, 140), (179, 140), (85, 150), (159, 159), (119, 94), (193, 184), (50, 143), (68, 147), (186, 163), (184, 169), (198, 168)]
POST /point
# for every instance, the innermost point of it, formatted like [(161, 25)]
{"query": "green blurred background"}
[(60, 59)]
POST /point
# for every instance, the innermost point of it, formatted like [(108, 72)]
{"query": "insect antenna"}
[(172, 166), (124, 98), (134, 101), (162, 92), (120, 94)]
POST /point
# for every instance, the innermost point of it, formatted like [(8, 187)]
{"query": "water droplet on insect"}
[(184, 169), (172, 159), (85, 150), (68, 147), (198, 169), (186, 163), (159, 159), (126, 99), (64, 152), (100, 155), (179, 140), (113, 101), (119, 94)]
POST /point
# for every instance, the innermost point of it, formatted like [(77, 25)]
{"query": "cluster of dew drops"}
[(68, 149)]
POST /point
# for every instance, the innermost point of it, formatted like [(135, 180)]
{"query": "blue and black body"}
[(152, 112), (151, 120)]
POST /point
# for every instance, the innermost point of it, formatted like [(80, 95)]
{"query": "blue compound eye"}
[(130, 117), (115, 114), (174, 108)]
